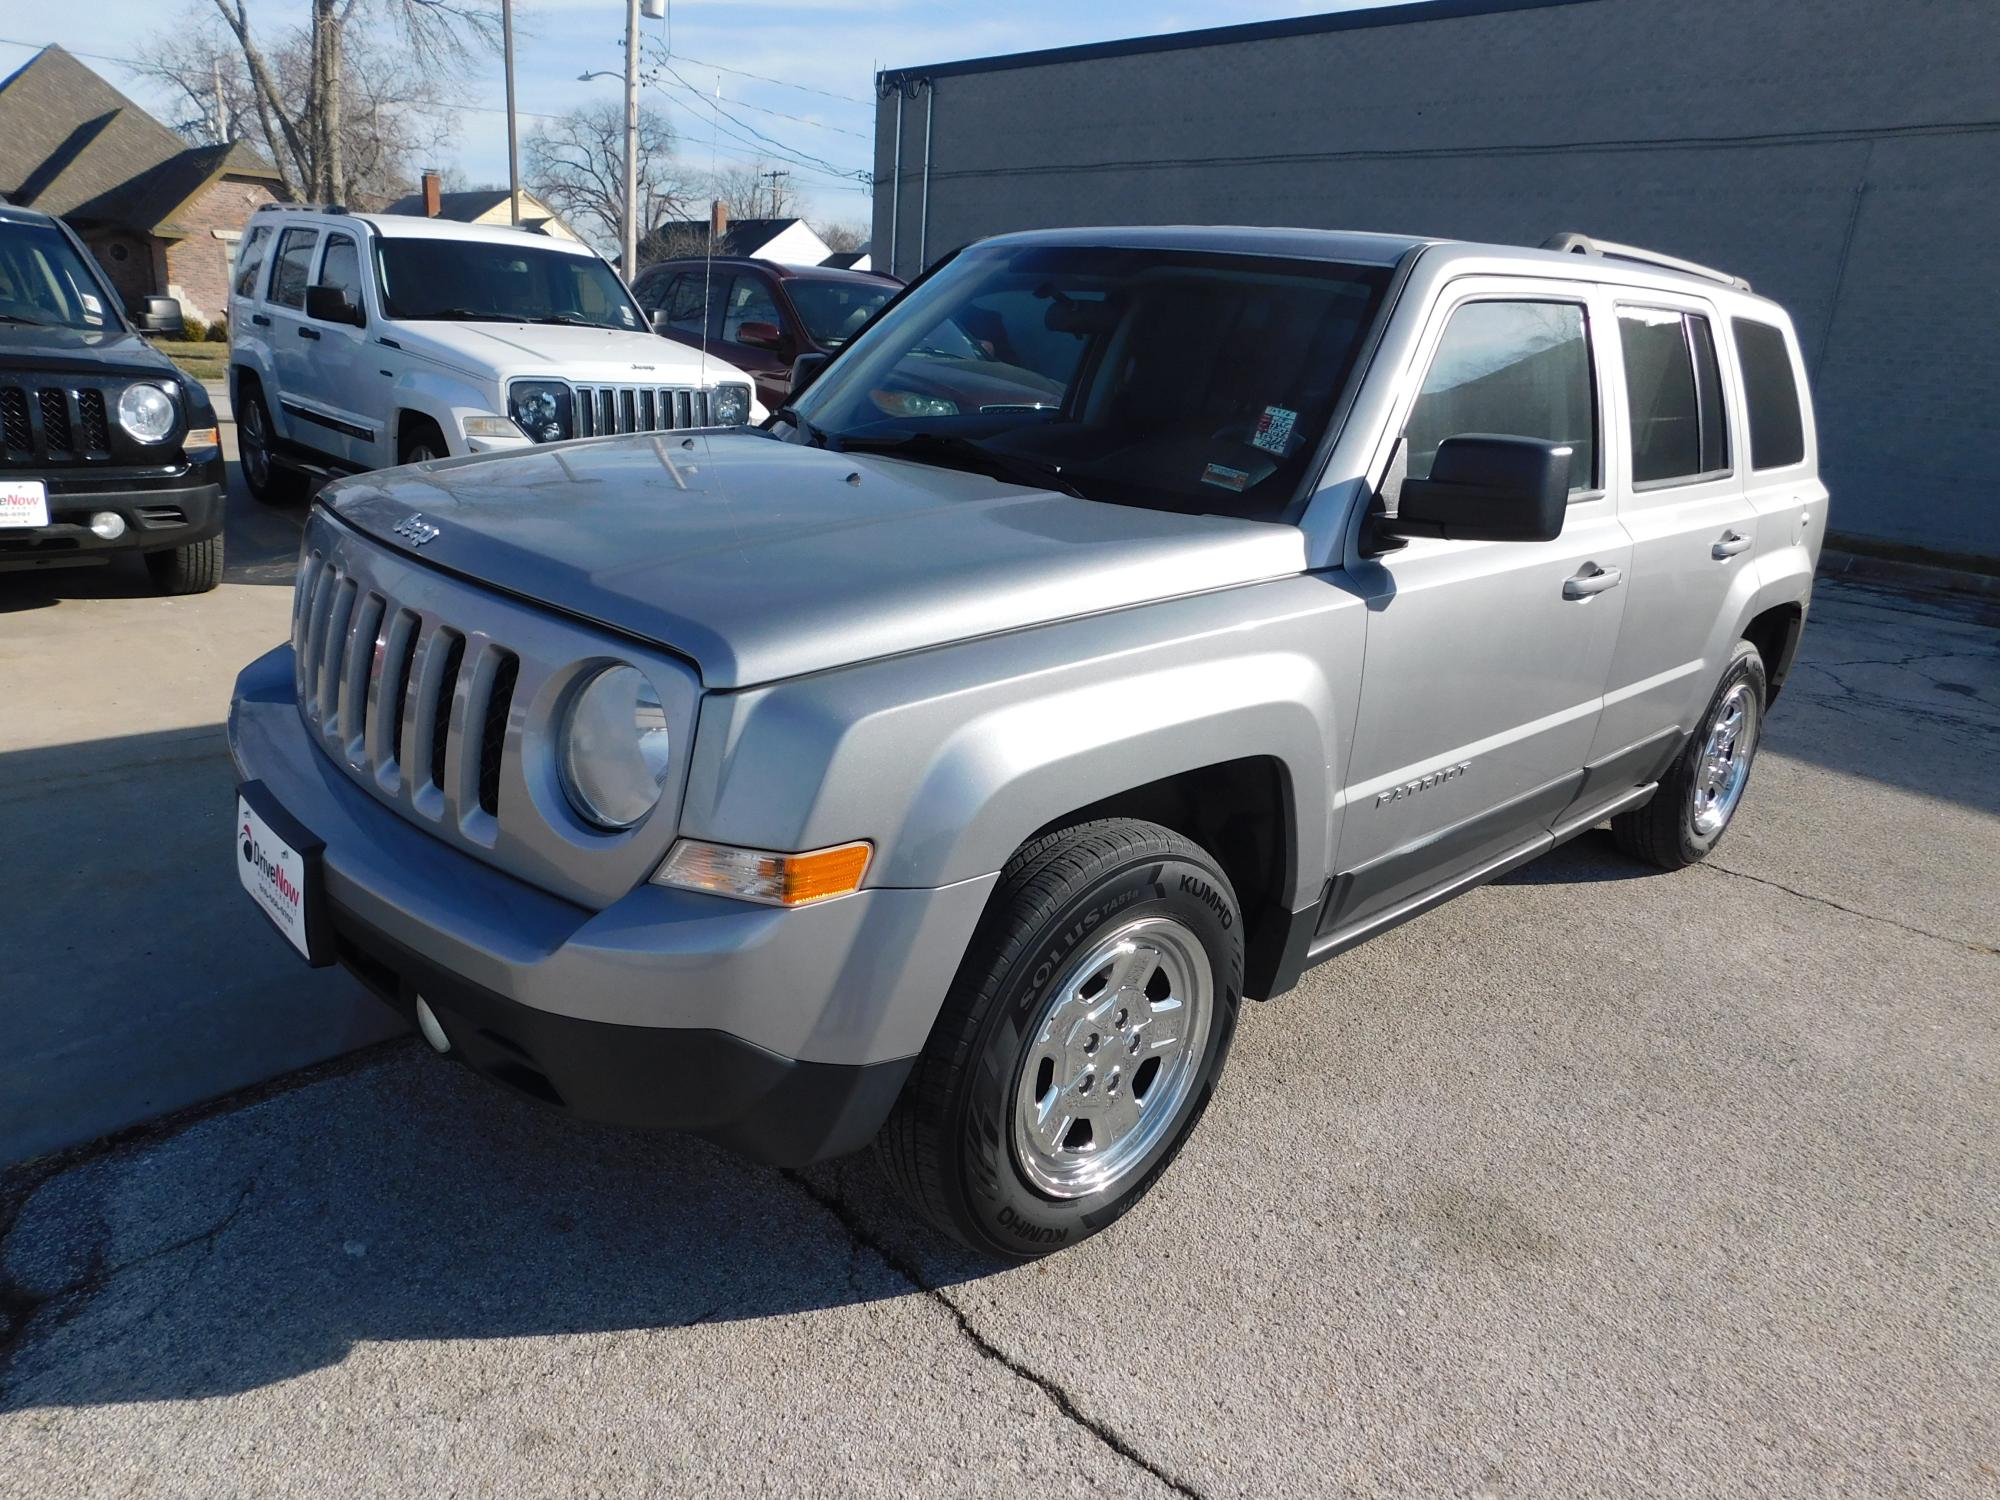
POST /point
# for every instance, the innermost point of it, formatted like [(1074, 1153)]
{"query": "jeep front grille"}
[(55, 423), (440, 699), (604, 409)]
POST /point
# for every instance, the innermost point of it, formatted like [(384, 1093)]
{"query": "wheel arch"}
[(1775, 633)]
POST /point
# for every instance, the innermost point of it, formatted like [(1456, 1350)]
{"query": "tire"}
[(1699, 797), (268, 480), (1035, 1014), (420, 442), (193, 569)]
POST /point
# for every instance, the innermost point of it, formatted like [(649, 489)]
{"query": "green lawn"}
[(203, 361)]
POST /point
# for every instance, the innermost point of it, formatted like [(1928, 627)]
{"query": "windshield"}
[(43, 281), (1170, 379), (835, 310), (491, 282)]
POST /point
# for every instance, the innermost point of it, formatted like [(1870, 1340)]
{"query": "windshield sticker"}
[(1274, 429), (1223, 478)]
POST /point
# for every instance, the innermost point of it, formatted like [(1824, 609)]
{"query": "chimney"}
[(432, 195), (718, 222)]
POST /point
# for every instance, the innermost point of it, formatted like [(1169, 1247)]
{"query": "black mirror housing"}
[(1484, 487), (805, 370), (161, 316), (329, 304)]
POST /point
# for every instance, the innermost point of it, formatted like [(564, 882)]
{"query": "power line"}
[(781, 83), (779, 113), (784, 152)]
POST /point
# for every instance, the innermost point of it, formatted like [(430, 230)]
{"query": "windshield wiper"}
[(574, 320), (949, 450), (460, 315), (30, 322)]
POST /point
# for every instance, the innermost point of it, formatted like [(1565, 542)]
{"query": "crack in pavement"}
[(1060, 1398), (1853, 911), (22, 1307)]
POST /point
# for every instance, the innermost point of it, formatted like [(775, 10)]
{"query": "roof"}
[(416, 227), (778, 269), (1222, 36), (72, 145), (471, 205), (742, 239)]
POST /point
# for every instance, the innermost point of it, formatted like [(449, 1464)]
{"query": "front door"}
[(294, 411), (350, 389), (1485, 663)]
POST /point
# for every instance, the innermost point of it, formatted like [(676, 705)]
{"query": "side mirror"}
[(1485, 488), (160, 316), (660, 324), (329, 304), (805, 370), (760, 335)]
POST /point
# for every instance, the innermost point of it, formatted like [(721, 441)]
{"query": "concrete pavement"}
[(1594, 1181)]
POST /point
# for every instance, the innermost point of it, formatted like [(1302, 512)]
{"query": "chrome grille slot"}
[(333, 648), (602, 410), (388, 681), (493, 735), (444, 689), (310, 656), (363, 648)]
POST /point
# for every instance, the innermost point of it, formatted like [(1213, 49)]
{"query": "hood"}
[(761, 559), (99, 351), (584, 356)]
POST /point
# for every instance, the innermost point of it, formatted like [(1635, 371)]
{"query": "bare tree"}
[(843, 237), (576, 165), (757, 190), (335, 103)]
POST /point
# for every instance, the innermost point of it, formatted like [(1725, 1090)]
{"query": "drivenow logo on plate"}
[(274, 875)]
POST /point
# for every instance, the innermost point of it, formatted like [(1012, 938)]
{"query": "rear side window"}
[(1673, 389), (1777, 428), (288, 279), (1515, 369), (250, 259)]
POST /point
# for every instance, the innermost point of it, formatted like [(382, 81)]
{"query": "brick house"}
[(161, 216)]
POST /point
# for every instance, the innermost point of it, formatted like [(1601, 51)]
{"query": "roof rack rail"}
[(302, 208), (1583, 244)]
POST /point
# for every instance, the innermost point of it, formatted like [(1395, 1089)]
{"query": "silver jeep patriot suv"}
[(1124, 621)]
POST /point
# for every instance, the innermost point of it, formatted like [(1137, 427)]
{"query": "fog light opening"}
[(108, 524), (431, 1026)]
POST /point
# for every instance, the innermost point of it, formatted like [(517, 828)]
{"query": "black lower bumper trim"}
[(770, 1108), (155, 517)]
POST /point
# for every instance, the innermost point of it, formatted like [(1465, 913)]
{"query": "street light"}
[(654, 9)]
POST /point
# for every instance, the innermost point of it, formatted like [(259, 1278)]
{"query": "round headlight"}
[(147, 412), (615, 748), (729, 406)]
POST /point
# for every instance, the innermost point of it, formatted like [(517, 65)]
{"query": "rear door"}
[(1484, 674), (1680, 495), (293, 405)]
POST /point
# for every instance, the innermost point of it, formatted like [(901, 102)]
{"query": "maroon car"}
[(758, 315)]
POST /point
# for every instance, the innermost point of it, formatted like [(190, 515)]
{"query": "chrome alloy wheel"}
[(1725, 761), (253, 443), (1113, 1058)]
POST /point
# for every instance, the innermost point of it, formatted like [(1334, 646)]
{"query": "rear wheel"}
[(1699, 796), (267, 479), (1079, 1044), (193, 569)]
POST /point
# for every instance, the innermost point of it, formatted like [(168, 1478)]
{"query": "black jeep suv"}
[(104, 445)]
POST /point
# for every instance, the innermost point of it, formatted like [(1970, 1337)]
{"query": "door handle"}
[(1732, 543), (1591, 579), (308, 333), (260, 320)]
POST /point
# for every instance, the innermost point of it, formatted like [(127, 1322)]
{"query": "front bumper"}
[(157, 515), (783, 1034)]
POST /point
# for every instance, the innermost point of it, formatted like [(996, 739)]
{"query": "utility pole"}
[(513, 131), (774, 175), (630, 264), (221, 105)]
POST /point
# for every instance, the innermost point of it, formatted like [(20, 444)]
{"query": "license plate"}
[(23, 502), (279, 865)]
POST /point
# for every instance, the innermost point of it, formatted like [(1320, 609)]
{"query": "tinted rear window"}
[(1777, 429)]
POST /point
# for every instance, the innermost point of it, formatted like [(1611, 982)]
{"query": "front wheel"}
[(193, 569), (1079, 1044)]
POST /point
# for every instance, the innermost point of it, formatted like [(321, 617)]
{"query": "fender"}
[(950, 759), (441, 393)]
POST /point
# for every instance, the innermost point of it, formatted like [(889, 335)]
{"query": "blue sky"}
[(829, 46)]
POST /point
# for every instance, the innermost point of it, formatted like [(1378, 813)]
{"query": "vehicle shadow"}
[(407, 1199)]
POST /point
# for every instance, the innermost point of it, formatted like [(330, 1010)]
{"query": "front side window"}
[(1777, 426), (250, 259), (1673, 390), (1175, 380), (1509, 369), (490, 281), (45, 283), (687, 304), (288, 277), (342, 267), (750, 301)]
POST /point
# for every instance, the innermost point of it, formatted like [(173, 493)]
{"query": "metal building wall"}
[(1842, 154)]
